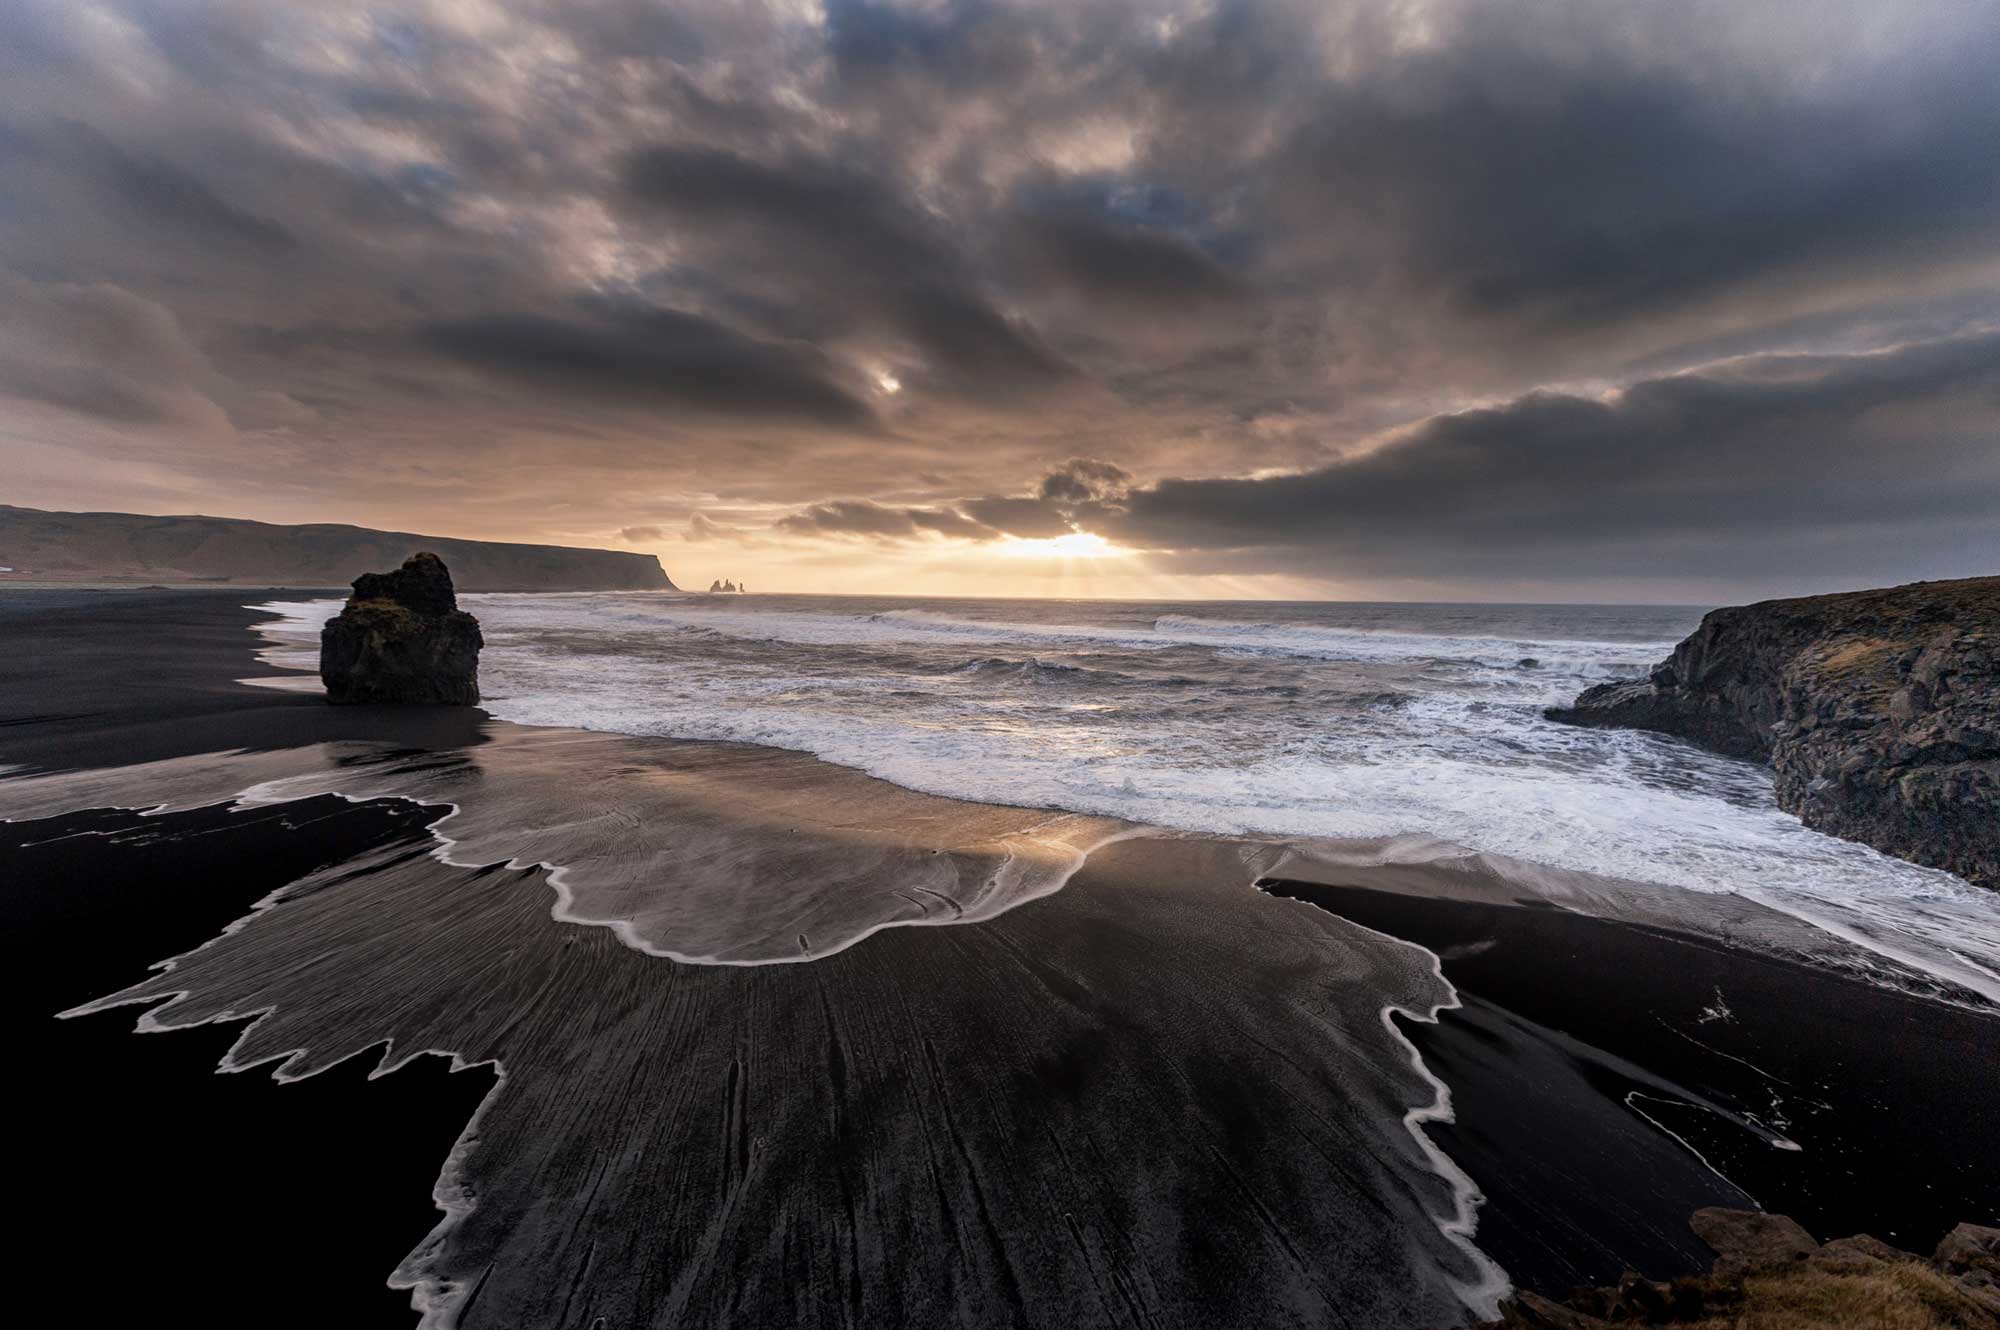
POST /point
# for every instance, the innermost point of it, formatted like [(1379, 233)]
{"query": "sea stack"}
[(401, 638), (1879, 711)]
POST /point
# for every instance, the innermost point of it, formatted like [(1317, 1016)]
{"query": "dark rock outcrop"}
[(1750, 1239), (401, 638), (1770, 1272), (1878, 710), (1970, 1254)]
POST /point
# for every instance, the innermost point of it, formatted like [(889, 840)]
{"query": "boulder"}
[(1970, 1254), (1879, 712), (401, 638), (1859, 1252), (1751, 1239)]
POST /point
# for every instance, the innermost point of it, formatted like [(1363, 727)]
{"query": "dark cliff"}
[(128, 546), (402, 639), (1878, 710)]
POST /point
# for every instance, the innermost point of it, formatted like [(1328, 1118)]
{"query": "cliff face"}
[(401, 638), (164, 549), (1878, 710)]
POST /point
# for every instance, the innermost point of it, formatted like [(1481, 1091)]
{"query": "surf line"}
[(1015, 881), (994, 897), (1482, 1294)]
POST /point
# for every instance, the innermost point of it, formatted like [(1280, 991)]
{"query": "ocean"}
[(1322, 720)]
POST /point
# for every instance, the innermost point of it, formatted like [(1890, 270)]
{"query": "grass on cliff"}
[(1890, 1297)]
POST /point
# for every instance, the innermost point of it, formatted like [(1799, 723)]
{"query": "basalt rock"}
[(1878, 710), (1970, 1254), (1750, 1239), (401, 638)]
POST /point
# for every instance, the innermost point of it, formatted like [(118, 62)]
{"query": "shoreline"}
[(1922, 959), (1119, 898), (1766, 1067)]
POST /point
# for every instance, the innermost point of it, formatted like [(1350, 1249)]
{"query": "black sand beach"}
[(1153, 1097)]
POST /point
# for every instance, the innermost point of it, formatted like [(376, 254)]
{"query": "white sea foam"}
[(1206, 723)]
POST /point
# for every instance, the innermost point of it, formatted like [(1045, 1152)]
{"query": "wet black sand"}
[(1893, 1100), (161, 1193), (105, 678)]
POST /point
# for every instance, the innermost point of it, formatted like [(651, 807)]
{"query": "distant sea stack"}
[(401, 638), (1879, 711), (118, 547)]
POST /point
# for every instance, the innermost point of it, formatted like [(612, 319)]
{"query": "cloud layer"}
[(1466, 298)]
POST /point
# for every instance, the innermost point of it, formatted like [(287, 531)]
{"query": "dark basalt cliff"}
[(1878, 710), (402, 639), (129, 547)]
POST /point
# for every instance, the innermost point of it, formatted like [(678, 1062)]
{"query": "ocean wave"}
[(1383, 644), (1218, 725), (1030, 667), (1169, 632)]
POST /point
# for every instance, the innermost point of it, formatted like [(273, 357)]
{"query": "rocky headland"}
[(1772, 1274), (401, 638), (1879, 711), (130, 547)]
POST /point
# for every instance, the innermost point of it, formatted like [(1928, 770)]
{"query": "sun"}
[(1075, 545)]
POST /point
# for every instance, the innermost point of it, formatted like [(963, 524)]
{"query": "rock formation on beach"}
[(401, 638), (1879, 711), (1770, 1272)]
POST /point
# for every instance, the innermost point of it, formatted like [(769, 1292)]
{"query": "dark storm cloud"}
[(104, 353), (834, 210), (1139, 269), (1032, 519), (1084, 479), (862, 518), (779, 255), (988, 354), (678, 357), (163, 197), (855, 255), (1696, 469), (1080, 494), (1525, 184)]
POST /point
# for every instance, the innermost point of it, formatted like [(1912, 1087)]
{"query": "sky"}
[(1623, 300)]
